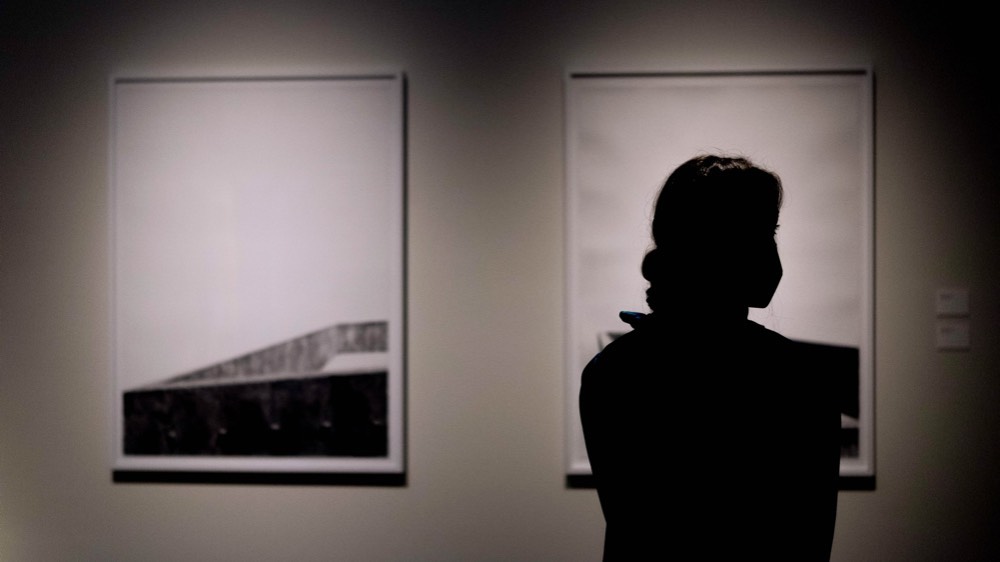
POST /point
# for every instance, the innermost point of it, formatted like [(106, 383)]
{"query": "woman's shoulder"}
[(761, 331), (631, 348)]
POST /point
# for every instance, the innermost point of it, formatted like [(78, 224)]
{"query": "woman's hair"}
[(705, 211)]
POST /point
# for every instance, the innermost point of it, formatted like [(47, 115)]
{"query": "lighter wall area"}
[(485, 279)]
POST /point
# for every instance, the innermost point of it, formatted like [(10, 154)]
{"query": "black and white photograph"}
[(257, 241), (813, 128)]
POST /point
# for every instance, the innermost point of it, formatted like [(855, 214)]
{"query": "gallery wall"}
[(485, 277)]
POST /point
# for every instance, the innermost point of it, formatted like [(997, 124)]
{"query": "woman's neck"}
[(706, 311)]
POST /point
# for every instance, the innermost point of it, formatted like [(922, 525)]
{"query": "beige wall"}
[(485, 277)]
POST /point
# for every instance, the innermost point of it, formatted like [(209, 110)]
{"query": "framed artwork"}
[(625, 132), (257, 242)]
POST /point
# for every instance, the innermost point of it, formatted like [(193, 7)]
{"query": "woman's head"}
[(713, 230)]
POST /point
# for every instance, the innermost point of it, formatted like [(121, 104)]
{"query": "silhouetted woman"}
[(711, 437)]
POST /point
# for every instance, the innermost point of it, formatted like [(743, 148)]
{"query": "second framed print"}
[(626, 132), (257, 240)]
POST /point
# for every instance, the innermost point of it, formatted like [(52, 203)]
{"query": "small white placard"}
[(952, 301), (952, 334)]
